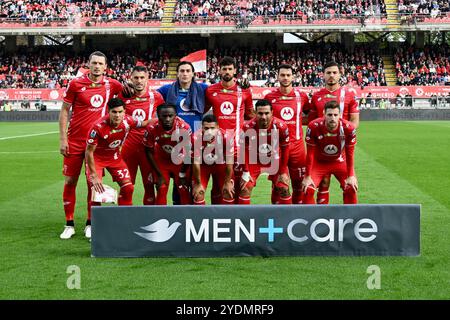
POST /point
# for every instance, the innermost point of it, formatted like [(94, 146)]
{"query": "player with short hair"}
[(87, 97), (213, 156), (348, 106), (103, 150), (141, 106), (288, 105), (330, 151), (265, 140), (167, 140), (231, 104)]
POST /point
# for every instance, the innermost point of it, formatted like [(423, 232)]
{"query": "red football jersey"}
[(142, 108), (265, 147), (330, 146), (109, 139), (88, 102), (289, 108), (229, 105), (343, 96), (214, 151), (160, 141)]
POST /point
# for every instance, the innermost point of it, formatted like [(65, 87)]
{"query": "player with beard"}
[(141, 106), (231, 105), (288, 105), (348, 106), (331, 143)]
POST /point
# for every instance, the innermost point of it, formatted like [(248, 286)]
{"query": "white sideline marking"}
[(29, 135), (27, 152)]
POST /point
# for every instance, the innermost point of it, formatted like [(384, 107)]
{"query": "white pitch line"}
[(29, 135), (27, 152)]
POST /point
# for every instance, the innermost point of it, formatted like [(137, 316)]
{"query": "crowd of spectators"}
[(54, 69), (433, 8), (428, 66), (189, 11), (362, 67), (70, 11)]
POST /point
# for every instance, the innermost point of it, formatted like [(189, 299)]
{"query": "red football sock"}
[(323, 196), (199, 203), (244, 200), (228, 201), (69, 197), (285, 200), (90, 203), (308, 197), (126, 194), (350, 196), (149, 194)]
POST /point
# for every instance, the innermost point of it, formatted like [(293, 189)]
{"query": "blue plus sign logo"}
[(270, 230)]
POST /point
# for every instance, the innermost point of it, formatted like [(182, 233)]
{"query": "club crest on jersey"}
[(139, 114), (115, 144), (330, 149), (265, 148), (287, 113), (167, 148), (227, 108), (96, 101)]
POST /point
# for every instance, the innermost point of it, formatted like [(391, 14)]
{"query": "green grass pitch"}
[(396, 162)]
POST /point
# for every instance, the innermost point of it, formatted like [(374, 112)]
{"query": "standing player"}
[(87, 97), (288, 105), (141, 106), (167, 154), (331, 143), (348, 109), (189, 98), (213, 155), (266, 142), (103, 150), (231, 104)]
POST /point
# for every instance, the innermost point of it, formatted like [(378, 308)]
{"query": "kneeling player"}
[(330, 150), (103, 151), (265, 140), (213, 155), (167, 140)]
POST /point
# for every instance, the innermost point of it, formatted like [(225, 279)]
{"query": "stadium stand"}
[(424, 11), (428, 66), (51, 68), (243, 13), (52, 13), (363, 67)]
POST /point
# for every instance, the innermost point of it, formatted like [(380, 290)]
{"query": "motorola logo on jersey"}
[(115, 144), (139, 114), (330, 149), (287, 113), (265, 148), (227, 108), (96, 101), (167, 148)]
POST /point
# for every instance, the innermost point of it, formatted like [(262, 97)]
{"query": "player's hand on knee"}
[(198, 192), (284, 179), (307, 183), (351, 182), (228, 190)]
